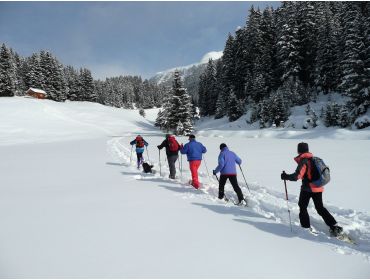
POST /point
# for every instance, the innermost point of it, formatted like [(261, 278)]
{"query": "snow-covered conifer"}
[(7, 73)]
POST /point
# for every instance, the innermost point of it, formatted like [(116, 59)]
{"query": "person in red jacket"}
[(309, 190), (172, 152)]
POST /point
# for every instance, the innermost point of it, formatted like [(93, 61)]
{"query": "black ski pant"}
[(234, 183), (304, 218), (140, 159), (172, 165)]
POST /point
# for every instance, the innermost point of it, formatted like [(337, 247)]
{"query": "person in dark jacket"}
[(194, 151), (140, 144), (172, 152), (227, 161), (309, 190)]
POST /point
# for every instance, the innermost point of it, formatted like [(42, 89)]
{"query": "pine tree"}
[(20, 86), (55, 84), (34, 73), (264, 113), (202, 93), (279, 110), (268, 60), (288, 44), (181, 107), (235, 108), (72, 83), (307, 36), (326, 52), (220, 107), (241, 65), (7, 73), (331, 115), (142, 112), (343, 117), (87, 85), (353, 64), (228, 64), (212, 86)]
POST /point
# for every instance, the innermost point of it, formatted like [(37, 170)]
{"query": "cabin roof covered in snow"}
[(37, 90)]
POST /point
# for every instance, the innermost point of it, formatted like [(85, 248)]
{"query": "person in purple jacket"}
[(226, 166)]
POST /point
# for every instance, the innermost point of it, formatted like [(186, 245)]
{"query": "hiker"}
[(172, 152), (140, 143), (227, 161), (305, 171), (194, 151)]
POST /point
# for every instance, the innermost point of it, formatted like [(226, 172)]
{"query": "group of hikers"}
[(227, 161)]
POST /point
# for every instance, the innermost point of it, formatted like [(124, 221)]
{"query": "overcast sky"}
[(121, 38)]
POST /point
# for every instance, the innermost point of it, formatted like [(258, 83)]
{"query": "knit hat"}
[(223, 145), (191, 136), (302, 148)]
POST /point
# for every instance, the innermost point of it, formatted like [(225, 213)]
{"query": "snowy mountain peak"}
[(166, 75)]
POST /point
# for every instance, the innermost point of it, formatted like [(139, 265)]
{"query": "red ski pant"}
[(194, 165)]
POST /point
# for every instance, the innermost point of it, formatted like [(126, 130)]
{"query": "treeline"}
[(43, 71), (287, 57)]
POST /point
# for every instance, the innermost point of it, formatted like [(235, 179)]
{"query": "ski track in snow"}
[(262, 202)]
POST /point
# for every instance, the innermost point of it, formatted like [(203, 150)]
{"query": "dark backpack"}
[(147, 167), (320, 175), (139, 142), (173, 145)]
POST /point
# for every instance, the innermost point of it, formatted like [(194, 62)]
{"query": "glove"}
[(214, 172), (159, 147), (284, 176)]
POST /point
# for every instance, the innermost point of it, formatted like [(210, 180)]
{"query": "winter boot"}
[(336, 230)]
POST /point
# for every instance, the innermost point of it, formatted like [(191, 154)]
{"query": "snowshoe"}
[(312, 231), (336, 230), (338, 233), (242, 203)]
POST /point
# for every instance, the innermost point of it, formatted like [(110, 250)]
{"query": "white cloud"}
[(211, 55)]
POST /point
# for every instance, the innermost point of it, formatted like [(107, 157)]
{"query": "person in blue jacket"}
[(194, 151), (140, 147), (227, 161)]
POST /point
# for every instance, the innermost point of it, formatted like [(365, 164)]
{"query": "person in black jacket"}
[(172, 152)]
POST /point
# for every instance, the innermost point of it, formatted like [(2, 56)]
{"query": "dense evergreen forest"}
[(287, 57), (44, 71)]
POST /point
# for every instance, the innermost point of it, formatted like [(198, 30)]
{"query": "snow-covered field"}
[(72, 204)]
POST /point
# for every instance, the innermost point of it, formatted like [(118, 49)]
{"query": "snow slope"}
[(73, 205)]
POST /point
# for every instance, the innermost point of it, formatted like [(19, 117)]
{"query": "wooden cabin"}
[(36, 93)]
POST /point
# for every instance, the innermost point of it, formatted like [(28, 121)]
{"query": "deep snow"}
[(72, 204)]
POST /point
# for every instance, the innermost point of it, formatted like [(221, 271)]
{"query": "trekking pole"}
[(147, 154), (181, 165), (244, 178), (160, 165), (205, 163), (131, 154), (286, 195)]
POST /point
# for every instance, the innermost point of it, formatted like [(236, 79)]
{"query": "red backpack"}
[(139, 142), (173, 145)]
